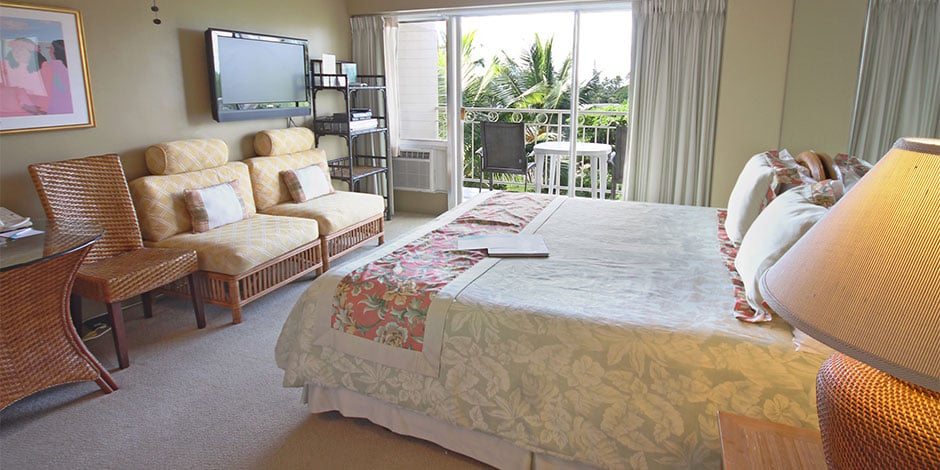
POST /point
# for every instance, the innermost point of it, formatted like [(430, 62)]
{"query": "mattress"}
[(616, 351)]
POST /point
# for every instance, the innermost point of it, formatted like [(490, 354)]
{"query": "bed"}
[(616, 351)]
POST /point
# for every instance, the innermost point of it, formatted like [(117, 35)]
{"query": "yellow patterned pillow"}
[(266, 183), (215, 206), (170, 158), (159, 198), (282, 141), (308, 182)]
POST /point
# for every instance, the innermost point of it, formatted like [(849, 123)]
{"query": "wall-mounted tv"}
[(257, 76)]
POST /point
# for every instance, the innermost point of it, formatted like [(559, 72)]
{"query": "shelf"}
[(359, 171), (337, 124)]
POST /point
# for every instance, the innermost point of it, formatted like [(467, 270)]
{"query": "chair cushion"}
[(215, 206), (170, 158), (236, 248), (283, 141), (160, 204), (335, 211), (268, 187), (132, 273), (308, 182)]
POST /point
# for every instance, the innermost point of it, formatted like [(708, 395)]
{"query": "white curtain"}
[(374, 50), (674, 99), (898, 91)]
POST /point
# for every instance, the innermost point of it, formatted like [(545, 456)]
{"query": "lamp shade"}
[(865, 280)]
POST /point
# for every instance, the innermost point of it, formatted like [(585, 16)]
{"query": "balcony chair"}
[(118, 267), (618, 158), (504, 151)]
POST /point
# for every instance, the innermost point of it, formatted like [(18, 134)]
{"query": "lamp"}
[(865, 280)]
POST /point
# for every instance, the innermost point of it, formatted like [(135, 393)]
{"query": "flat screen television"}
[(257, 76)]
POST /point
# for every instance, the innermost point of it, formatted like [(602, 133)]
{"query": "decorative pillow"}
[(215, 206), (850, 169), (765, 176), (774, 231), (308, 182)]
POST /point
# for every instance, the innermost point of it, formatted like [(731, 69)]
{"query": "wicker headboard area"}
[(820, 164)]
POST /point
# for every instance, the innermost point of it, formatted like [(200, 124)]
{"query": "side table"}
[(748, 443), (39, 347)]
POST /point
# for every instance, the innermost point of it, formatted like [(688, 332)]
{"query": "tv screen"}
[(257, 76)]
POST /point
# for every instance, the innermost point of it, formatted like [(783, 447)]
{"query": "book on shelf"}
[(506, 245), (330, 124)]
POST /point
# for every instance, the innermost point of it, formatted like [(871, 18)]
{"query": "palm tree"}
[(532, 80)]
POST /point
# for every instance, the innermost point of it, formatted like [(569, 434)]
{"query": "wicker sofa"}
[(239, 262), (346, 219)]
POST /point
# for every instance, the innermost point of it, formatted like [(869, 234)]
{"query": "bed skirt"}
[(486, 448)]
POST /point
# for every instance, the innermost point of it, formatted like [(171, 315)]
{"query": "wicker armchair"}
[(119, 266)]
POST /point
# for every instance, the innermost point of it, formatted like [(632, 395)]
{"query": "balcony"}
[(542, 125)]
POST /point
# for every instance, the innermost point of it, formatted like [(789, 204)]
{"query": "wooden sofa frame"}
[(235, 291), (348, 239)]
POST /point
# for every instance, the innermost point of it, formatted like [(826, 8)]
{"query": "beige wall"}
[(823, 71), (788, 80), (150, 84)]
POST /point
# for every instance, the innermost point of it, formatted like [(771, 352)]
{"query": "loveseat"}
[(346, 220), (239, 261)]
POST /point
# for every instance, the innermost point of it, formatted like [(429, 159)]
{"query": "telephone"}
[(10, 220)]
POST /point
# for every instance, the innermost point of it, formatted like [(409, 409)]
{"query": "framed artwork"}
[(43, 72)]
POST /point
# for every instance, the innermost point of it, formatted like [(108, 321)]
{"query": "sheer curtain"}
[(898, 92), (374, 50), (674, 99)]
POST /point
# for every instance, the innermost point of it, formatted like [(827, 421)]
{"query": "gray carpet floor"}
[(202, 399)]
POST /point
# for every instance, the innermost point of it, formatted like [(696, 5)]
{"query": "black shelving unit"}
[(355, 167)]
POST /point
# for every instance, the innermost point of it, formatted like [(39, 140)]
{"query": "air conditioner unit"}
[(421, 166)]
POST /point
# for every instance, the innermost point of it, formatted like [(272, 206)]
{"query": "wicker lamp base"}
[(870, 419)]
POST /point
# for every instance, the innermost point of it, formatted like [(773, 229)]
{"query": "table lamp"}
[(865, 280)]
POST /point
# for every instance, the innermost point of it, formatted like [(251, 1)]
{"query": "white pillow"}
[(215, 206), (775, 230), (765, 176), (308, 182)]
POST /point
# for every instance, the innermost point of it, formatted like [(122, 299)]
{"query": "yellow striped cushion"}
[(282, 141), (238, 247), (170, 158), (268, 187), (159, 201), (334, 212)]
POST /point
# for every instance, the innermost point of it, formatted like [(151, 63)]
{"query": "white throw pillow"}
[(308, 182), (215, 206), (776, 229), (765, 176)]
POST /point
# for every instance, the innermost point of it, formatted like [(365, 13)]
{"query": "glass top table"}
[(54, 241)]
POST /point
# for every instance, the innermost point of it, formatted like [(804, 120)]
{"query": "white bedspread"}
[(617, 350)]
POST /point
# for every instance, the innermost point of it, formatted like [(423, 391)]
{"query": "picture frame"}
[(44, 82)]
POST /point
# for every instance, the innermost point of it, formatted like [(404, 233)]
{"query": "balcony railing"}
[(542, 125)]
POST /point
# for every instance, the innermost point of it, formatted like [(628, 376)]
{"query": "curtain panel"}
[(898, 92), (375, 52), (674, 99)]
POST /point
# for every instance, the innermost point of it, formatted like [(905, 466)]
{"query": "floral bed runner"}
[(392, 309), (387, 300)]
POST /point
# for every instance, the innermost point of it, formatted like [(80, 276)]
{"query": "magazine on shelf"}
[(506, 245)]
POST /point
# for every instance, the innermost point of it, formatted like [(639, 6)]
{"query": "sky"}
[(605, 37)]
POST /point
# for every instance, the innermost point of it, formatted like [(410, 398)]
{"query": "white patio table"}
[(558, 150)]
